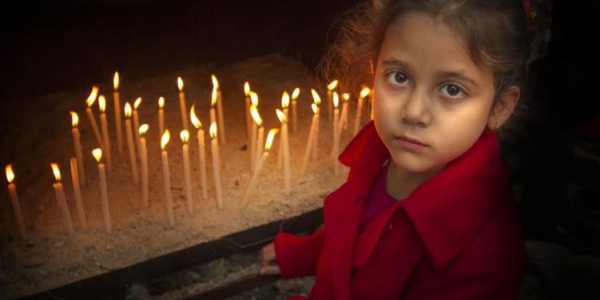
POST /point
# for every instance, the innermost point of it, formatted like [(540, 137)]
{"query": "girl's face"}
[(431, 102)]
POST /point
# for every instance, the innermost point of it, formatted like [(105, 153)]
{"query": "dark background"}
[(60, 45)]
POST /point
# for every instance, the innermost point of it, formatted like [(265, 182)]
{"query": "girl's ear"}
[(504, 108)]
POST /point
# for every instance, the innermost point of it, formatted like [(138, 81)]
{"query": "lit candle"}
[(216, 167), (330, 87), (260, 134), (248, 117), (357, 119), (130, 144), (185, 136), (77, 145), (286, 150), (220, 119), (285, 104), (254, 128), (105, 138), (166, 177), (14, 198), (61, 200), (315, 144), (311, 138), (136, 125), (77, 192), (161, 116), (201, 151), (97, 153), (295, 95), (118, 121), (144, 161), (261, 163), (335, 125), (344, 113), (182, 105), (88, 110)]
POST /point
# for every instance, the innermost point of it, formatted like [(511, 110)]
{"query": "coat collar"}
[(448, 209)]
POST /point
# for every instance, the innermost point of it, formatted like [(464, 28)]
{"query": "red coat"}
[(456, 236)]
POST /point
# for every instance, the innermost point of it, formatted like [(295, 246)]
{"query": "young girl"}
[(427, 210)]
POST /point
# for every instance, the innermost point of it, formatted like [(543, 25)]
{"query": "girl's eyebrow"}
[(394, 62), (460, 75)]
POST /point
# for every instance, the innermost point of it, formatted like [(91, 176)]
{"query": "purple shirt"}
[(379, 199)]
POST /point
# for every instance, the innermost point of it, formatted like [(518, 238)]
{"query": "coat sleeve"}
[(297, 256)]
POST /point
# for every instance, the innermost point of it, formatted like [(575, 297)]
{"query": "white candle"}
[(88, 110), (161, 116), (182, 106), (259, 166), (315, 144), (97, 153), (336, 126), (330, 87), (77, 192), (166, 177), (311, 139), (254, 129), (61, 200), (105, 138), (220, 118), (130, 144), (286, 151), (185, 136), (77, 146), (118, 121), (136, 126), (216, 167), (295, 95), (201, 151), (357, 119), (344, 112), (144, 162), (285, 104), (247, 101), (14, 198)]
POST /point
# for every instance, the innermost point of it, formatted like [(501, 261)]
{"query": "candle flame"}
[(365, 92), (285, 100), (255, 115), (254, 98), (74, 118), (127, 110), (316, 97), (184, 135), (97, 153), (195, 121), (137, 103), (102, 103), (92, 97), (281, 116), (315, 108), (213, 98), (296, 93), (215, 82), (10, 175), (56, 171), (161, 102), (270, 138), (164, 140), (143, 129), (332, 85), (116, 81), (336, 99), (212, 131), (246, 88), (180, 83), (346, 96)]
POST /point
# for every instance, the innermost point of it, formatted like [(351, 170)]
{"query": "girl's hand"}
[(269, 261)]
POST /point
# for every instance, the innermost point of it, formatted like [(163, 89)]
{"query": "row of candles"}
[(136, 145)]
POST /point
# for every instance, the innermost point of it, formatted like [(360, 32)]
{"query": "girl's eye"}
[(397, 78), (453, 91)]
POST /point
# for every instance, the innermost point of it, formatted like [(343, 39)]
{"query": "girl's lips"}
[(409, 143)]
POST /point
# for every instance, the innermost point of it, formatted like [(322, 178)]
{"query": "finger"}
[(270, 270)]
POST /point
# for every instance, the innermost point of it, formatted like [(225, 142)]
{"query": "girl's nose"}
[(415, 110)]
